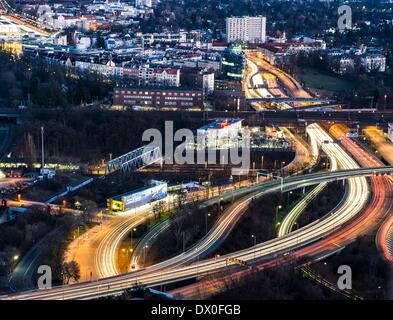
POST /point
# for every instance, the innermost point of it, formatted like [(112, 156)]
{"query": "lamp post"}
[(282, 165), (133, 229), (278, 208), (289, 193), (206, 216), (144, 255), (384, 105), (253, 236)]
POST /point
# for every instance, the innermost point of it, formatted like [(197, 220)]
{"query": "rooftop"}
[(220, 123)]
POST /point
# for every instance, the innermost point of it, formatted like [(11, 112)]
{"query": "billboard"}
[(144, 196), (138, 197)]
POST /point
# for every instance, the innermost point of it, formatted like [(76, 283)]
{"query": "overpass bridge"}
[(292, 116), (351, 116), (154, 276), (134, 160), (290, 99)]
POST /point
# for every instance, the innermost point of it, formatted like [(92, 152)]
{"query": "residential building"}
[(373, 62), (143, 3), (246, 29), (158, 97)]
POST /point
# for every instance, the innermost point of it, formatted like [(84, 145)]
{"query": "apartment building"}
[(246, 29)]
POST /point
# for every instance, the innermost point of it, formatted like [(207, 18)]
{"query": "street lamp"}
[(144, 255), (278, 208), (289, 193), (206, 215), (384, 105), (255, 242), (282, 164), (127, 251), (77, 204), (133, 229)]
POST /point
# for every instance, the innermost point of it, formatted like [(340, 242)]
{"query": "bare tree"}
[(70, 271)]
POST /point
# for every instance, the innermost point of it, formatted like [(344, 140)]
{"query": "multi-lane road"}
[(272, 248)]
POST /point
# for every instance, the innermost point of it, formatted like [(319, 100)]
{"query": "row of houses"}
[(342, 62)]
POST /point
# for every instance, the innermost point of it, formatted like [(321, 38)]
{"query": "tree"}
[(100, 41), (70, 271), (30, 150)]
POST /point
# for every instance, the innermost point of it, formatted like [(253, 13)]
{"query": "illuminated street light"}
[(132, 230), (384, 106), (144, 255), (206, 216), (255, 242), (77, 204), (278, 208)]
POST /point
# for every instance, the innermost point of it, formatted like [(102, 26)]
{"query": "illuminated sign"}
[(138, 198)]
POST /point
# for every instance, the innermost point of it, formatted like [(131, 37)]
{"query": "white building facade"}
[(246, 29), (373, 62), (220, 134)]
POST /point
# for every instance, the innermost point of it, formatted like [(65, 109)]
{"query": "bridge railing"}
[(134, 160)]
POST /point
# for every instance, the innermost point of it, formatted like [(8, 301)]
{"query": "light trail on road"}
[(270, 249), (380, 206)]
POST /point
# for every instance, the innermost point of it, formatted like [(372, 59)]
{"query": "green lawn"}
[(315, 79)]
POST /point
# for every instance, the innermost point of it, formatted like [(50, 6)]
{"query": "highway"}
[(303, 160), (287, 224), (170, 270), (253, 78), (96, 251), (384, 239), (379, 207), (272, 248), (306, 155), (383, 146)]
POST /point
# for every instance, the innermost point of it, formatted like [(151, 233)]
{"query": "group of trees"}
[(53, 255), (279, 283), (70, 271), (371, 275), (187, 225), (97, 132), (294, 17), (259, 220), (26, 230), (38, 224), (32, 81), (366, 84), (322, 204)]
